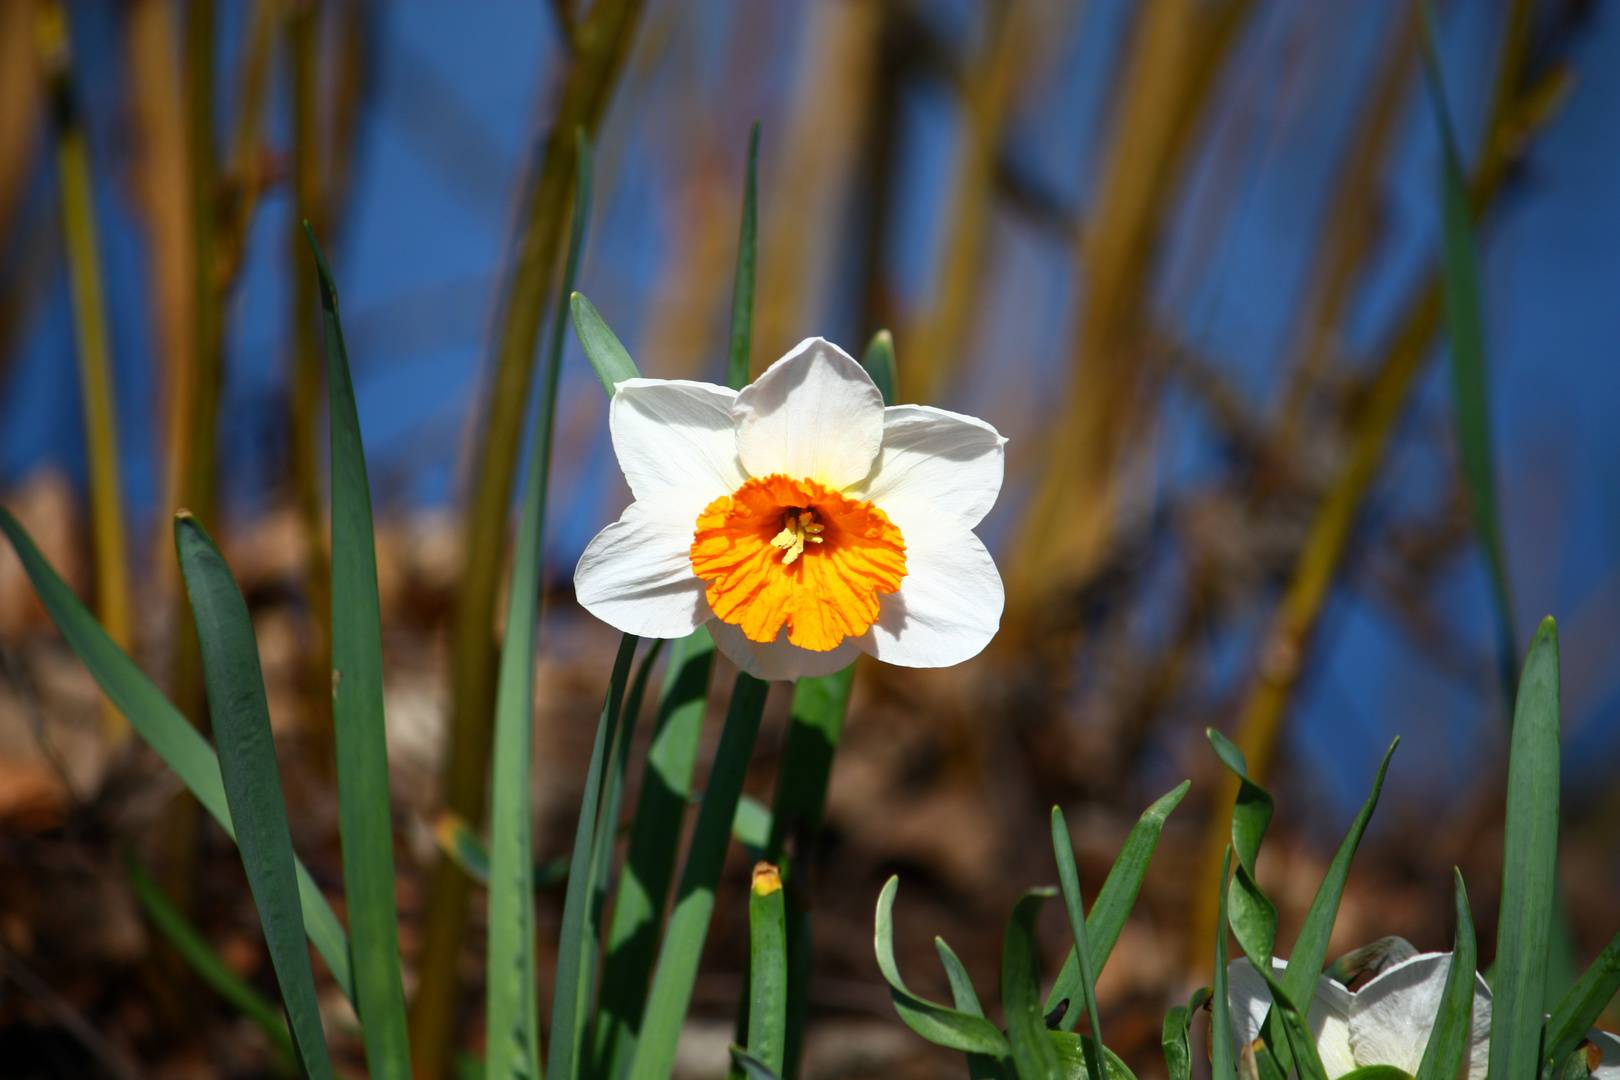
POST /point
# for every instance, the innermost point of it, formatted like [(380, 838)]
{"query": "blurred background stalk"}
[(1176, 51), (1516, 115), (83, 244), (599, 44), (304, 413)]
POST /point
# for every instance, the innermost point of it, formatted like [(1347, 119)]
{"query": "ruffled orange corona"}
[(779, 551)]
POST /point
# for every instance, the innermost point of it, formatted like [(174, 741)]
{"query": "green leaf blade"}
[(1032, 1050), (878, 360), (162, 727), (608, 356), (1114, 902), (742, 292), (1069, 878), (1581, 1005), (365, 812), (252, 779), (1453, 1022), (767, 967), (1529, 862)]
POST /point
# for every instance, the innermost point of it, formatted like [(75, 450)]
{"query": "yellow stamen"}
[(797, 531)]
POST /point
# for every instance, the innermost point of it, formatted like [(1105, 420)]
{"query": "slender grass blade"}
[(1529, 863), (1032, 1050), (1177, 1047), (980, 1066), (632, 938), (364, 810), (165, 730), (1465, 331), (204, 960), (1075, 1062), (511, 1010), (1069, 877), (247, 763), (694, 902), (1221, 1064), (742, 292), (1448, 1040), (1113, 904), (568, 1007), (1581, 1006)]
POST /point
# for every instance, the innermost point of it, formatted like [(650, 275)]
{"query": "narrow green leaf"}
[(1581, 1006), (204, 960), (752, 826), (952, 1028), (1256, 933), (632, 937), (742, 292), (1529, 863), (1376, 1072), (751, 1066), (694, 902), (569, 1006), (247, 763), (1465, 330), (607, 355), (878, 360), (1454, 1021), (1222, 1066), (1114, 902), (966, 999), (511, 1004), (1069, 878), (767, 967), (1177, 1047), (365, 814), (1310, 948), (165, 730), (1032, 1049), (815, 726)]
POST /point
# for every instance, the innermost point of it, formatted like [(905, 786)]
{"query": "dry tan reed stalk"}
[(1177, 50), (600, 44)]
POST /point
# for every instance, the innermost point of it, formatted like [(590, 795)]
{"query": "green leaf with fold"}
[(632, 937), (1529, 865), (742, 291), (1033, 1053), (165, 730), (609, 358), (1177, 1047), (1465, 331), (1252, 812), (878, 360), (205, 960), (1454, 1021), (688, 927), (1581, 1005), (948, 1027), (1113, 903), (966, 999), (1074, 903), (365, 813), (570, 1003), (247, 763)]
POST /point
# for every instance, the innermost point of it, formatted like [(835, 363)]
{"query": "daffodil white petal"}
[(779, 659), (949, 603), (814, 414), (1609, 1047), (674, 433), (953, 461), (1328, 1019), (1391, 1017), (636, 575)]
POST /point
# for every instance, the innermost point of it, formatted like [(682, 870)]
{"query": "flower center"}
[(789, 552)]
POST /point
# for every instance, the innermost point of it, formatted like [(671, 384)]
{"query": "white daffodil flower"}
[(1386, 1022), (800, 519)]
